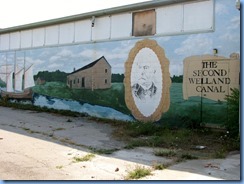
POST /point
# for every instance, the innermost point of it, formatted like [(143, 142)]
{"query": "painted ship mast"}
[(17, 88)]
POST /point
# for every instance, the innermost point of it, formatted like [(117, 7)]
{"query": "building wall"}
[(101, 72), (75, 80), (185, 17)]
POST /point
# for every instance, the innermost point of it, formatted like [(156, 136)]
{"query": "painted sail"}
[(3, 74), (18, 80), (28, 79), (10, 82), (4, 71), (12, 75)]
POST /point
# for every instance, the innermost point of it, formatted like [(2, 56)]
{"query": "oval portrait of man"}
[(147, 81)]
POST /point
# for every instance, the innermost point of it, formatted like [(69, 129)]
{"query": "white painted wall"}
[(192, 17)]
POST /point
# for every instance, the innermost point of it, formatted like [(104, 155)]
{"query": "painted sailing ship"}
[(18, 80)]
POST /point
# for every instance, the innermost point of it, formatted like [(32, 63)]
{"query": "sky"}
[(20, 12)]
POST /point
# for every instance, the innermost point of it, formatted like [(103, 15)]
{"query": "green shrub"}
[(157, 166), (232, 123), (138, 173), (188, 156), (165, 153), (85, 158)]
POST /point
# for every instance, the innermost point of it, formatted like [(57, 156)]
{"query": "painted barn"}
[(96, 75)]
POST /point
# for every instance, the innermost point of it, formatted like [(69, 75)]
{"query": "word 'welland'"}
[(214, 80), (209, 80)]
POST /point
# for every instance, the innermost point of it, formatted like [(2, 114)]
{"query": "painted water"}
[(75, 106)]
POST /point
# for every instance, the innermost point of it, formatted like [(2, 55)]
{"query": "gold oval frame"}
[(165, 97)]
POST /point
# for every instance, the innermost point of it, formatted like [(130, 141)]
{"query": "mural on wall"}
[(106, 79), (147, 81)]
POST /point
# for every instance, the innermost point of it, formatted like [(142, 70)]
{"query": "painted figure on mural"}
[(145, 87)]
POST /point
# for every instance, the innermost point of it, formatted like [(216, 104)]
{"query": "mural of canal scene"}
[(173, 80)]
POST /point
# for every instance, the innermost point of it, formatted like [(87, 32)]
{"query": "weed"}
[(68, 141), (59, 129), (137, 173), (30, 131), (33, 132), (85, 158), (178, 160), (187, 156), (165, 153), (129, 146), (4, 100), (136, 143), (59, 167), (220, 153), (26, 129), (103, 151), (157, 166)]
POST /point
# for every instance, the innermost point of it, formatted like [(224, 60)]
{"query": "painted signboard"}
[(170, 75), (211, 77)]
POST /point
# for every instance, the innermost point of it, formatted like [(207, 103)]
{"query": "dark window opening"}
[(83, 82), (70, 83)]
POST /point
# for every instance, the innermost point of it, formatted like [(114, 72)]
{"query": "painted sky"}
[(226, 38)]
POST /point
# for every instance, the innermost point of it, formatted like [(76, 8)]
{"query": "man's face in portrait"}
[(146, 75)]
